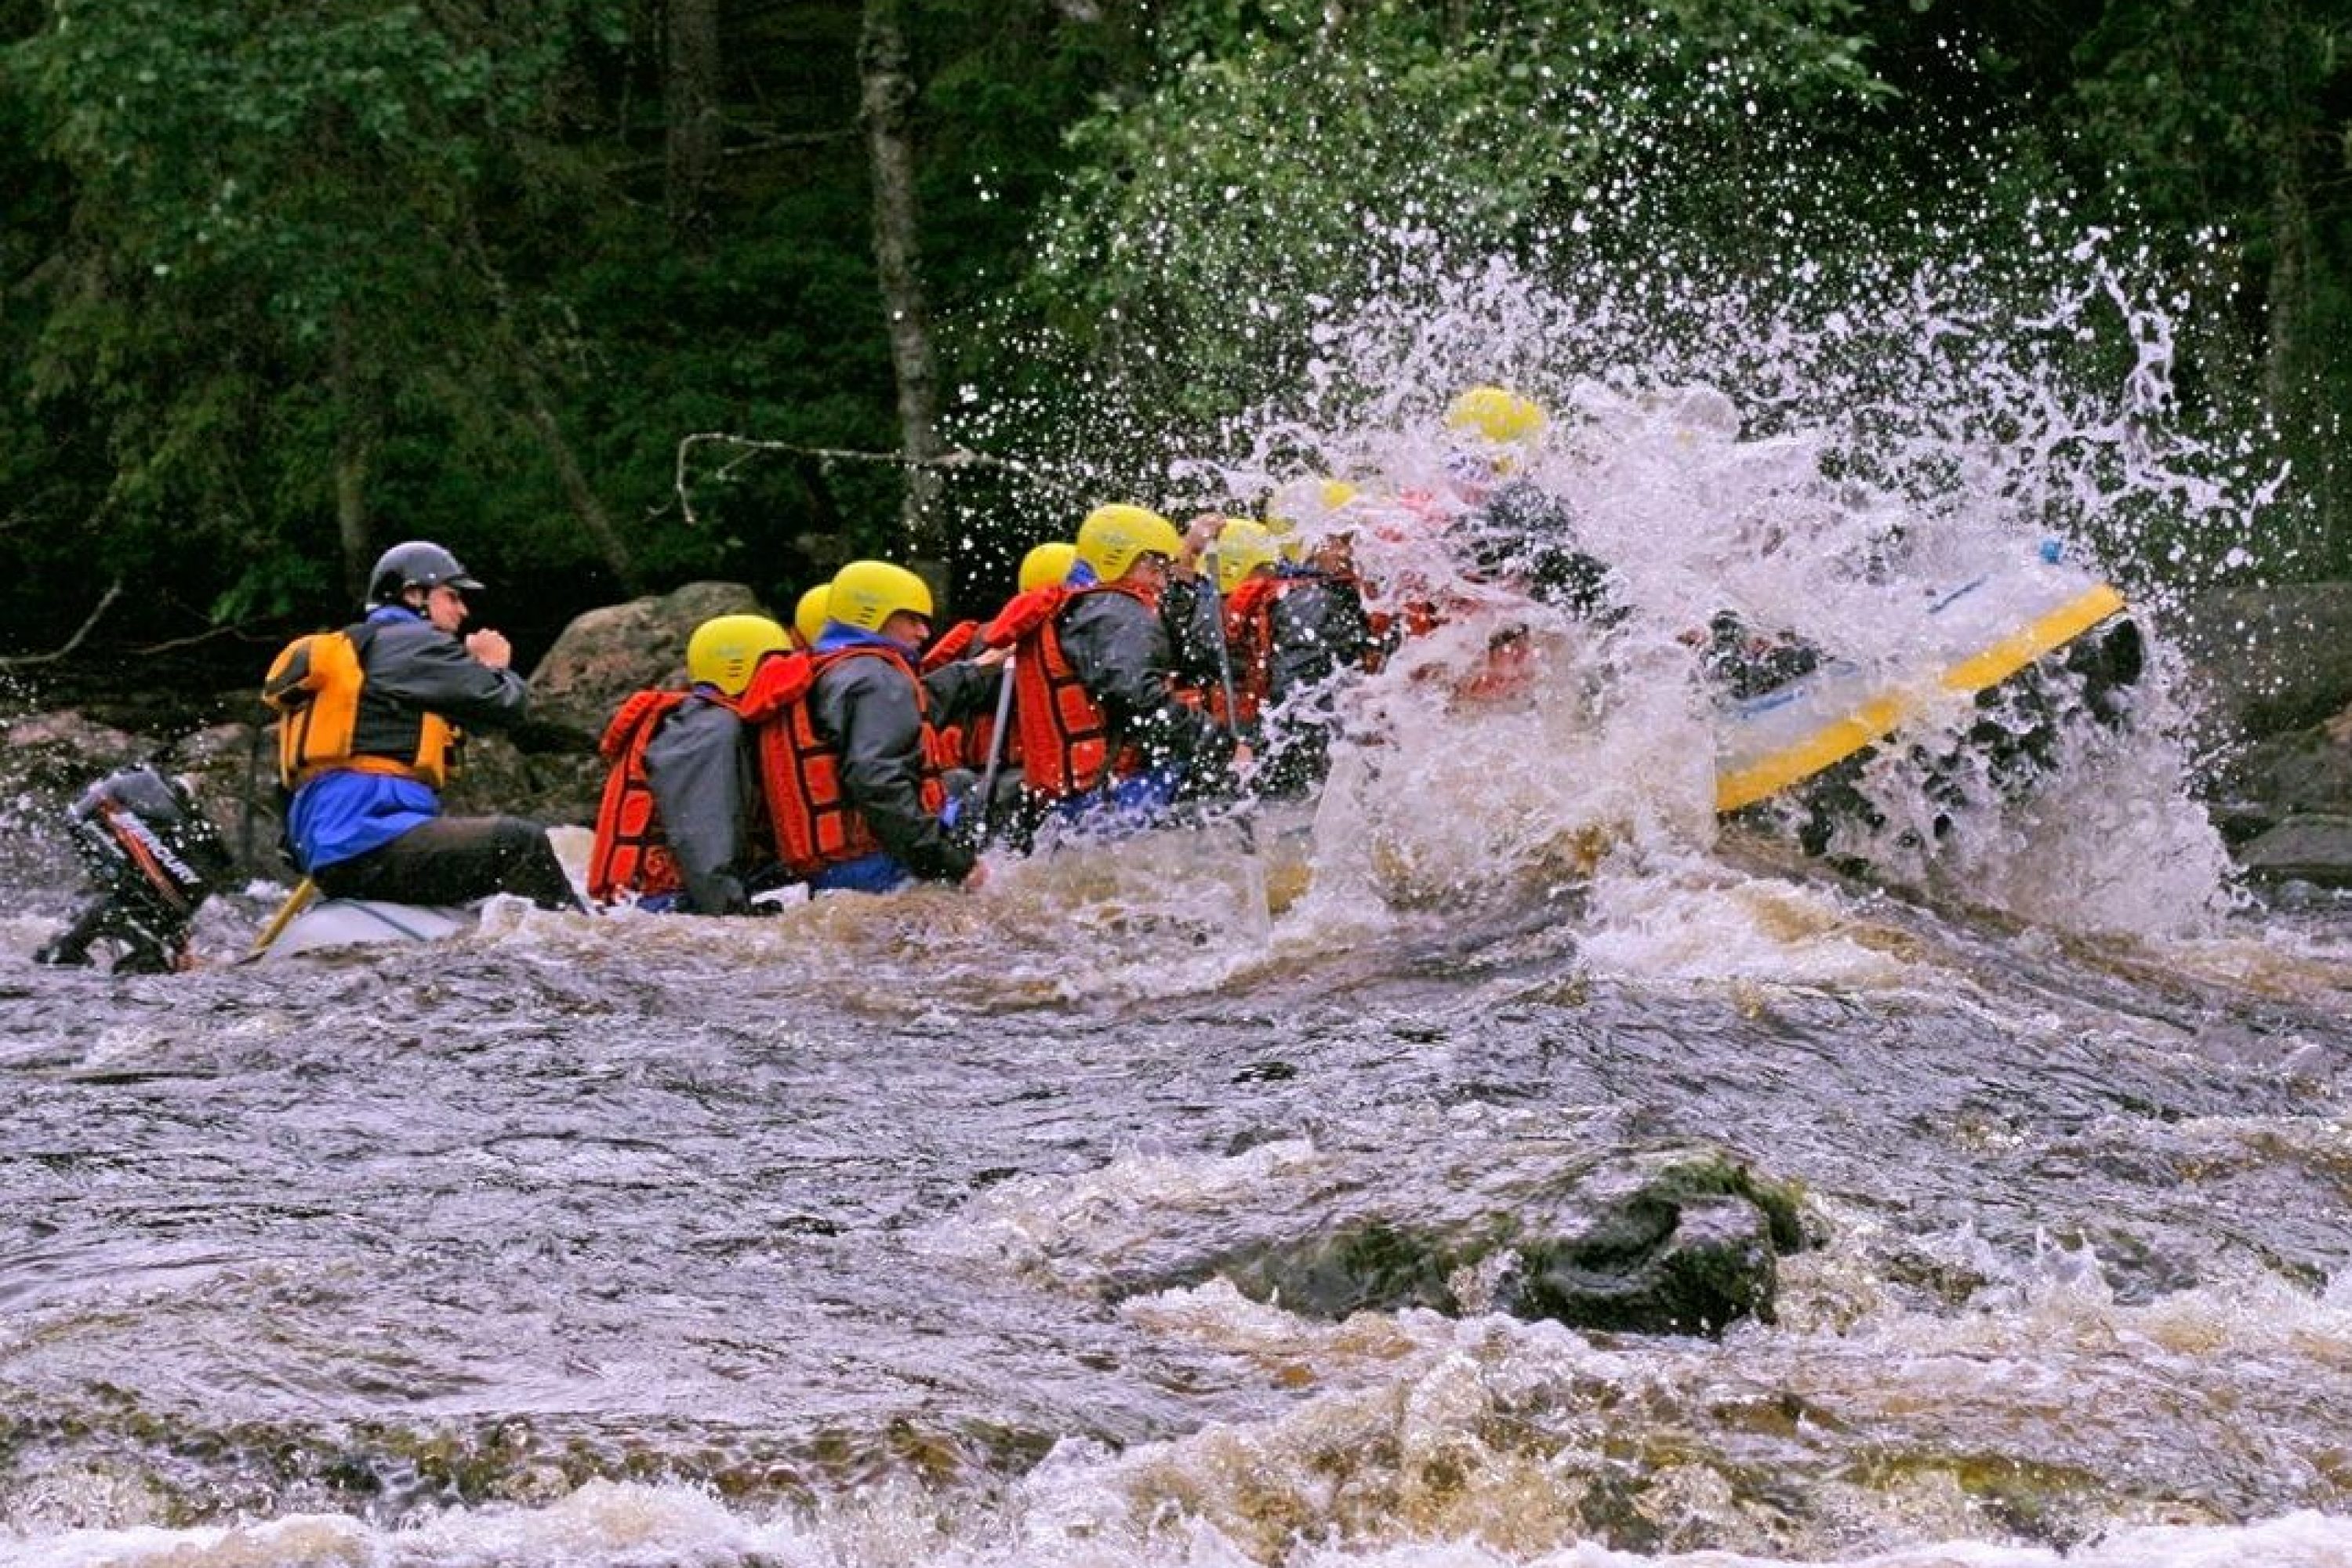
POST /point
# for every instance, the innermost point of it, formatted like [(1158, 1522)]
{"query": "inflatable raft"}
[(348, 922), (1968, 640)]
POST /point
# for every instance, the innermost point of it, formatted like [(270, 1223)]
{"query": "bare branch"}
[(105, 600), (237, 629), (777, 142)]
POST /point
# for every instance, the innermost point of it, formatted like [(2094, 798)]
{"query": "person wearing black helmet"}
[(369, 726)]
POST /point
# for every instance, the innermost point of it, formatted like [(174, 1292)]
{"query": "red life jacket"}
[(800, 770), (964, 745), (631, 854), (960, 640), (1509, 671), (1249, 643), (1064, 734)]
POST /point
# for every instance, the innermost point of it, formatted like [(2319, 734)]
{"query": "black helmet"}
[(416, 565)]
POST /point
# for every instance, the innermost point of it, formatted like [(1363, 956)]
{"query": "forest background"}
[(284, 281)]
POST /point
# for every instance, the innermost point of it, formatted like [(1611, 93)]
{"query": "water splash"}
[(1819, 451)]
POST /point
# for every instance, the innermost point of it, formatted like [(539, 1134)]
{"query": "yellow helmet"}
[(1287, 543), (1308, 498), (1242, 548), (1496, 415), (867, 593), (1113, 536), (809, 616), (1047, 562), (725, 650)]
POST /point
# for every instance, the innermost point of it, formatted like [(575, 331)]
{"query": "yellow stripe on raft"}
[(1885, 711)]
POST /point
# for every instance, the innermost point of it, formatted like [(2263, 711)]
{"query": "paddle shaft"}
[(995, 752), (295, 902), (1209, 591)]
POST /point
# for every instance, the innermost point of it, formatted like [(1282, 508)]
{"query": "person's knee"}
[(528, 865), (513, 832)]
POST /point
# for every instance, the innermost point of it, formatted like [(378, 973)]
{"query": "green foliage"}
[(277, 247), (248, 240), (1205, 221), (2222, 127)]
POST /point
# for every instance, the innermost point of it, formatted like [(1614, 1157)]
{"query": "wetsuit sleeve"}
[(1119, 648), (1193, 631), (419, 666), (700, 772), (963, 691), (867, 708)]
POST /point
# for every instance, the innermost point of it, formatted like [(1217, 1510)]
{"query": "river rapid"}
[(882, 1233), (841, 1238)]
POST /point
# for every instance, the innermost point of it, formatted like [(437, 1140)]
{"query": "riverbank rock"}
[(605, 655), (63, 751), (1683, 1241), (2263, 783), (2266, 661), (2311, 848), (549, 768)]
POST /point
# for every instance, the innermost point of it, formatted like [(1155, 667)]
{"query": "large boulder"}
[(548, 769), (57, 753), (2276, 776), (2263, 661), (606, 654), (2314, 848)]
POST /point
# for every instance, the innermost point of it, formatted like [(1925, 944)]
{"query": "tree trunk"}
[(539, 412), (354, 449), (695, 129), (885, 110), (573, 478), (2296, 351)]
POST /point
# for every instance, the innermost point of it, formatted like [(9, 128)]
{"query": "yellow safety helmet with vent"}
[(809, 616), (1242, 546), (725, 650), (1496, 415), (1046, 564), (1113, 536), (867, 593)]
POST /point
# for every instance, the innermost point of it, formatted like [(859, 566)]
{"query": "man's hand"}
[(1200, 534), (491, 648)]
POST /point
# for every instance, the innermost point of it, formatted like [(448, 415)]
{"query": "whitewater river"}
[(873, 1234), (891, 1233)]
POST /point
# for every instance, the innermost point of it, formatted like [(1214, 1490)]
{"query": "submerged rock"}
[(1683, 1241)]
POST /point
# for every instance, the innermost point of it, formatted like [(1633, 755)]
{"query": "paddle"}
[(296, 902), (1261, 906), (995, 757)]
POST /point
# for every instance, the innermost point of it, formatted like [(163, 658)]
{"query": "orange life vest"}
[(965, 744), (631, 854), (1249, 642), (1064, 734), (313, 686), (800, 770)]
